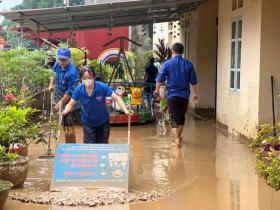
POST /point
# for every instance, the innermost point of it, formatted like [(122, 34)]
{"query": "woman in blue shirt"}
[(95, 116)]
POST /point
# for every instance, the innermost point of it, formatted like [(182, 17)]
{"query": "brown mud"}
[(212, 171)]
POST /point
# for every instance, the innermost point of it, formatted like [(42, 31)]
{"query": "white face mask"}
[(88, 82)]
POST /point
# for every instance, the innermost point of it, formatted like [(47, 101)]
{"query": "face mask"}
[(88, 82)]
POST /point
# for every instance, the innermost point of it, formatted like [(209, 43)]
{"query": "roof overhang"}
[(117, 13)]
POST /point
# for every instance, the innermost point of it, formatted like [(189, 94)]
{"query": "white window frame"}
[(237, 4), (236, 68)]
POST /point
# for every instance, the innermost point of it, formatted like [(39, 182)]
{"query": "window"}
[(236, 4), (236, 46)]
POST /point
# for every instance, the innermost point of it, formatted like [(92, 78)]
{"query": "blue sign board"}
[(91, 166)]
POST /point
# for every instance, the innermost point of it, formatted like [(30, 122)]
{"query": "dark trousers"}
[(178, 108), (96, 135)]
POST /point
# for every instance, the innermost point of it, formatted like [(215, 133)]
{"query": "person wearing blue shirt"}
[(151, 72), (95, 116), (151, 75), (180, 74), (64, 83)]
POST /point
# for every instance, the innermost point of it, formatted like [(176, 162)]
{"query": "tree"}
[(37, 4), (77, 2), (12, 37)]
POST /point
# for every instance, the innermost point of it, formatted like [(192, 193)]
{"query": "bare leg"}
[(177, 132), (70, 135)]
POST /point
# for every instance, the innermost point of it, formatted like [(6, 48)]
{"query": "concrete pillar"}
[(270, 62)]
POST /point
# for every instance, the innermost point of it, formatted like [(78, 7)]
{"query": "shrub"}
[(23, 68), (267, 148), (16, 126)]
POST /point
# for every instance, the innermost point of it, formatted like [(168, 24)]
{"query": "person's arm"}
[(52, 80), (73, 101), (72, 83), (65, 99), (120, 102), (146, 74), (158, 84), (161, 78), (195, 91), (194, 83), (69, 107), (52, 84), (145, 77)]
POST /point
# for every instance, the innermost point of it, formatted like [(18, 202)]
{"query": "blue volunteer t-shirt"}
[(94, 109), (179, 73), (151, 72), (66, 79)]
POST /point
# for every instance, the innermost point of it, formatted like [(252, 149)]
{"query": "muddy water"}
[(214, 170)]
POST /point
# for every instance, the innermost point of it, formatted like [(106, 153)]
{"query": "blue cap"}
[(63, 53)]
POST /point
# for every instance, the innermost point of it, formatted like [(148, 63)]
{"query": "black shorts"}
[(72, 118), (177, 108)]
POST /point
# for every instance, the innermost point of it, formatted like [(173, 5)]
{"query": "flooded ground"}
[(214, 171)]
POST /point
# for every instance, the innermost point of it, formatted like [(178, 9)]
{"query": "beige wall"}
[(270, 58), (207, 33), (202, 29), (239, 110)]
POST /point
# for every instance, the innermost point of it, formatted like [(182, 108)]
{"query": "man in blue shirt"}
[(65, 81), (179, 74), (151, 72), (151, 75)]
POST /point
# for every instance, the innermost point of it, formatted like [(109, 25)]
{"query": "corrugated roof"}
[(102, 15)]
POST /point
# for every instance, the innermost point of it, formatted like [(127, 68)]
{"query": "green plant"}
[(266, 135), (4, 185), (104, 70), (268, 167), (138, 61), (163, 51), (267, 148), (2, 151), (23, 68), (16, 126), (12, 156)]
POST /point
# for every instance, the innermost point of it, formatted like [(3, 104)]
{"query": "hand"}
[(196, 99), (156, 94), (131, 112), (56, 107), (64, 113)]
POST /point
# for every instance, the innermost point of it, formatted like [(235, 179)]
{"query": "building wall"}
[(207, 52), (198, 32), (239, 110), (94, 40), (160, 32), (270, 59)]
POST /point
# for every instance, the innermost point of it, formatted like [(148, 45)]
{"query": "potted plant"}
[(4, 191), (16, 132)]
